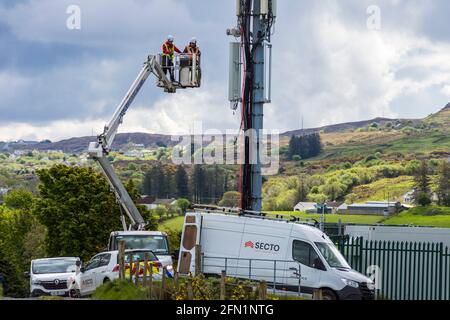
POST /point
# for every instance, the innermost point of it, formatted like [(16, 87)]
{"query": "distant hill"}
[(440, 119), (347, 126), (80, 144)]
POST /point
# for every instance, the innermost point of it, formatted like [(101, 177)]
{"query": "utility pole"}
[(255, 21)]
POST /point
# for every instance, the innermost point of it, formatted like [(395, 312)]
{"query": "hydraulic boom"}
[(100, 149)]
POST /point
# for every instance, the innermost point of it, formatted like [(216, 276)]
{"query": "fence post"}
[(136, 275), (121, 259), (441, 270), (223, 285), (163, 284), (190, 292), (274, 276), (360, 260), (131, 268), (176, 281), (198, 259), (317, 294), (262, 290), (144, 280), (150, 281)]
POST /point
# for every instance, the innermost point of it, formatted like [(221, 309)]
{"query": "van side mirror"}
[(26, 274), (78, 263), (82, 269)]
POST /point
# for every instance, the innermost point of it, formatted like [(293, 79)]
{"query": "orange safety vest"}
[(192, 50), (168, 50)]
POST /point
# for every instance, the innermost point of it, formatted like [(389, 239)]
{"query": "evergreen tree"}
[(305, 146), (159, 181), (443, 188), (422, 192), (302, 190), (182, 182), (147, 188), (198, 184)]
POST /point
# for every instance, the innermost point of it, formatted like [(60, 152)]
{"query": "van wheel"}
[(76, 294), (328, 294), (106, 280)]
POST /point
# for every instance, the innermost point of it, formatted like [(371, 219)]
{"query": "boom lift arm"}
[(100, 149)]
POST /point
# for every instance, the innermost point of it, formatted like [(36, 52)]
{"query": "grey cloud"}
[(327, 66)]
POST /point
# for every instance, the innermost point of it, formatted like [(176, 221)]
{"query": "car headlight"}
[(371, 286), (36, 282), (350, 283)]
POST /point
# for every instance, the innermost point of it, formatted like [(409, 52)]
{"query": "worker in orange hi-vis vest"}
[(192, 48), (169, 49)]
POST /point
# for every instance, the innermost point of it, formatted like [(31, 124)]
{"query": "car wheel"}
[(106, 280), (328, 294)]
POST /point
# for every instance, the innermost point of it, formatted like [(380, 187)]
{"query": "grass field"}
[(392, 189), (172, 224), (334, 218), (177, 223), (423, 216), (420, 216)]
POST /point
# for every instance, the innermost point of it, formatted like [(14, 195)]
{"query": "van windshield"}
[(139, 255), (155, 243), (332, 255), (54, 266)]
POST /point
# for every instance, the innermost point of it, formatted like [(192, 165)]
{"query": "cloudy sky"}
[(329, 66)]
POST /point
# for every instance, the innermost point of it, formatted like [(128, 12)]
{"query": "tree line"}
[(200, 184), (304, 147), (72, 215)]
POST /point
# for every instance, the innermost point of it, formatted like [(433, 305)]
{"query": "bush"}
[(230, 199), (183, 205), (174, 237), (120, 290)]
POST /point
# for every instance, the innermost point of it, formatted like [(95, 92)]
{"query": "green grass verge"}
[(334, 218), (432, 216), (172, 224), (177, 223), (424, 216)]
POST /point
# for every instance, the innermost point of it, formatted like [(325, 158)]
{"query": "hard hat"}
[(170, 38), (193, 40)]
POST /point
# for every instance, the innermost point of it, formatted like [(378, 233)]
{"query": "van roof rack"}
[(253, 214)]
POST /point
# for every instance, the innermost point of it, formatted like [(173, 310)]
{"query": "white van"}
[(258, 248), (50, 276), (156, 241)]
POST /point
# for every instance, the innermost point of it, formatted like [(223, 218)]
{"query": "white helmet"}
[(170, 38), (193, 40)]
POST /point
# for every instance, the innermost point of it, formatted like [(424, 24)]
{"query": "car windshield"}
[(140, 255), (155, 243), (332, 255), (54, 266)]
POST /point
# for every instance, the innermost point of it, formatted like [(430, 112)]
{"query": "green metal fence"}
[(402, 270)]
